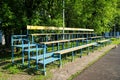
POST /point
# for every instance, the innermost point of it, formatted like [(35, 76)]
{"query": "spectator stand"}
[(69, 38), (50, 43)]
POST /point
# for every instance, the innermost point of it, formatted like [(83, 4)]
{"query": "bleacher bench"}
[(73, 49)]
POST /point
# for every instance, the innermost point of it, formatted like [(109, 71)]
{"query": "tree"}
[(96, 14), (16, 14), (116, 20), (100, 15)]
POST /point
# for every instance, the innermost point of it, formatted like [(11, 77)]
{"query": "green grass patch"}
[(115, 41), (12, 69), (4, 76), (0, 74), (8, 68)]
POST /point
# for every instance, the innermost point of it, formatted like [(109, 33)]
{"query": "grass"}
[(115, 41), (13, 70), (4, 76), (7, 69)]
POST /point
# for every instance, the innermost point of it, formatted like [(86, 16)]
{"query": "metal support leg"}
[(32, 39), (93, 48), (58, 47), (80, 53), (77, 43), (60, 60), (88, 51), (52, 47), (63, 45), (28, 59), (36, 57), (29, 55), (22, 56), (22, 52), (44, 69), (72, 55)]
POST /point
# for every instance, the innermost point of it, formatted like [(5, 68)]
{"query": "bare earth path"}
[(71, 67), (79, 64), (107, 68)]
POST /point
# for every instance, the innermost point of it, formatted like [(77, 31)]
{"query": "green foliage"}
[(115, 41), (12, 69), (7, 17), (116, 20), (91, 14), (101, 15)]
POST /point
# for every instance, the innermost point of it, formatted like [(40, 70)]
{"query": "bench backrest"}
[(18, 38), (56, 28)]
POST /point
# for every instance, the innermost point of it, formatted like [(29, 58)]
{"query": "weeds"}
[(8, 68)]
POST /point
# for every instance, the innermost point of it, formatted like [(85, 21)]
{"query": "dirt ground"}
[(79, 64), (70, 68)]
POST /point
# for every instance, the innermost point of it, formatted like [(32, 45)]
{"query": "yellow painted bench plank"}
[(40, 34), (29, 27)]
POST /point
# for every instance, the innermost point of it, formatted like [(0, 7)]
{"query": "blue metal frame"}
[(44, 59), (45, 52), (18, 38), (23, 46)]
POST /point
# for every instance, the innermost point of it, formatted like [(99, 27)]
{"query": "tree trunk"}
[(7, 34)]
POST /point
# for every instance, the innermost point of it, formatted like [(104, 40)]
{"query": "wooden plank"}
[(51, 42), (43, 28), (77, 39), (19, 35), (48, 60), (96, 37), (102, 41), (56, 28), (41, 34), (78, 29), (74, 48)]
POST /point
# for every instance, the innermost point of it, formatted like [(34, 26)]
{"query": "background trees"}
[(101, 15)]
